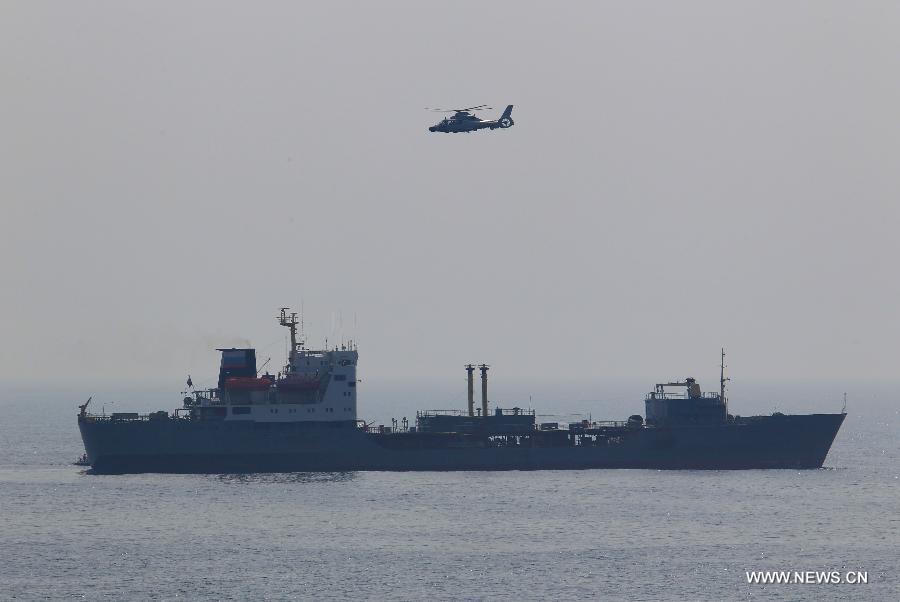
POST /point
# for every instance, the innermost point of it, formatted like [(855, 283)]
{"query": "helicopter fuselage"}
[(463, 121), (453, 126)]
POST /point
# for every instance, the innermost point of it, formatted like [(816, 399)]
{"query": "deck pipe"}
[(471, 369), (484, 369)]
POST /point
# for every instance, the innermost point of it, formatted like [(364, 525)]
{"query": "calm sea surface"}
[(623, 534)]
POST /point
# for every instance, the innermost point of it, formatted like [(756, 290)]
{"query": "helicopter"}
[(463, 120)]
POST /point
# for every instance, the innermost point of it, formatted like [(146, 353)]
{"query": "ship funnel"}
[(484, 369), (471, 370)]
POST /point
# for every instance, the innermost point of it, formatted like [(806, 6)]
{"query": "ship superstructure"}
[(313, 386), (304, 418)]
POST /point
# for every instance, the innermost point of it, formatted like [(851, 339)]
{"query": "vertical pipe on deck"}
[(484, 399), (471, 370)]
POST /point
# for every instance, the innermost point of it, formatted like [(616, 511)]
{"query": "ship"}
[(304, 419)]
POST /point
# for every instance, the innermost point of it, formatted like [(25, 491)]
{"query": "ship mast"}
[(290, 320), (722, 381)]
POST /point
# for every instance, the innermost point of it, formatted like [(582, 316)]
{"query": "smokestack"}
[(471, 370), (484, 369)]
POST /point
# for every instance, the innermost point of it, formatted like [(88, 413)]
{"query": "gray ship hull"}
[(209, 446)]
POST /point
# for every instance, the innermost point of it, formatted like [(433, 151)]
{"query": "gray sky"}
[(681, 176)]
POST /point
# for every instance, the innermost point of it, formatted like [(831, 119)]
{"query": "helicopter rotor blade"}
[(475, 108)]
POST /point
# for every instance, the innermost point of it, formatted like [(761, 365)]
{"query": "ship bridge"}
[(688, 406)]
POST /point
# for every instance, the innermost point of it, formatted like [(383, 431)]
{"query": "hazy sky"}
[(681, 176)]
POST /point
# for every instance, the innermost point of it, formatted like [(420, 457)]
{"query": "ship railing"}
[(396, 426), (211, 398), (312, 352), (425, 413), (513, 412), (203, 397), (503, 412), (598, 424), (654, 395), (127, 417)]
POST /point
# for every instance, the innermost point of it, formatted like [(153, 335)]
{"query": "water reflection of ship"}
[(289, 477)]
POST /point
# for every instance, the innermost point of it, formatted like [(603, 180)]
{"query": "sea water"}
[(605, 534)]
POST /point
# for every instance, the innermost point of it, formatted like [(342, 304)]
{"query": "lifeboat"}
[(299, 383), (247, 383)]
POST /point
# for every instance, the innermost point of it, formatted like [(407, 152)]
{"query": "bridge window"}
[(240, 410), (340, 377)]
